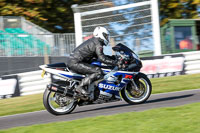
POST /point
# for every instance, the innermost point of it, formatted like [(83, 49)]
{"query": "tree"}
[(53, 15), (57, 15), (178, 9)]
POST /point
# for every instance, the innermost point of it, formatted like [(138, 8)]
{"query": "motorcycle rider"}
[(82, 56)]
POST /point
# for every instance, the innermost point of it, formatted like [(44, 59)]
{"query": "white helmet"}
[(102, 33)]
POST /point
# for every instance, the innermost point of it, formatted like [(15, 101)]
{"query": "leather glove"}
[(121, 64)]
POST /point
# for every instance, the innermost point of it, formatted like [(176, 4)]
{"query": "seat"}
[(57, 65)]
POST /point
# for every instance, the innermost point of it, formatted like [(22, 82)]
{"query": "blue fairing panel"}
[(110, 87), (72, 76), (96, 63)]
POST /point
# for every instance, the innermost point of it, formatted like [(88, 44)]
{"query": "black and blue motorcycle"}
[(126, 83)]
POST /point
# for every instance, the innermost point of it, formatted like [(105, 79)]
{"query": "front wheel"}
[(135, 95), (58, 104)]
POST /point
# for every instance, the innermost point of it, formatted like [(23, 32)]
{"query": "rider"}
[(82, 56)]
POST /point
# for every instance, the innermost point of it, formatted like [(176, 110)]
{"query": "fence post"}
[(1, 23), (46, 57), (77, 24), (78, 28), (156, 27)]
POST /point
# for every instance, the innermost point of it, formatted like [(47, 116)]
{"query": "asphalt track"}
[(155, 101)]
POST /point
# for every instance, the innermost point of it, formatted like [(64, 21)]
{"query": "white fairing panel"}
[(61, 73)]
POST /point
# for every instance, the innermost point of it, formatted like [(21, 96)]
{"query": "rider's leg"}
[(86, 81), (94, 73)]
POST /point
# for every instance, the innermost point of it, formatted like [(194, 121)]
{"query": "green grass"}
[(181, 119), (34, 102), (176, 83), (21, 104)]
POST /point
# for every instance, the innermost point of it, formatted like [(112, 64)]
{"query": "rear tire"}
[(131, 96), (50, 96)]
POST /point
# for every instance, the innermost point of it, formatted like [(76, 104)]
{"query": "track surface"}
[(155, 101)]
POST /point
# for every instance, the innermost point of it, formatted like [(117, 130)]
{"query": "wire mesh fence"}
[(19, 37), (129, 22), (36, 44)]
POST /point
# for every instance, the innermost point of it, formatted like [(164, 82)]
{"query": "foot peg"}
[(81, 93), (80, 96)]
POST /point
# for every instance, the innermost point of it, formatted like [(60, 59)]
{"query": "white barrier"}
[(192, 62), (32, 82)]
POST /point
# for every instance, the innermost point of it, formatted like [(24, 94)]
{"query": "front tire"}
[(135, 96), (57, 104)]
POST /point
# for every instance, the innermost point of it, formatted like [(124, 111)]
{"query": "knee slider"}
[(99, 76)]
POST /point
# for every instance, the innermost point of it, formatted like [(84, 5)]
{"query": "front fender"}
[(134, 79)]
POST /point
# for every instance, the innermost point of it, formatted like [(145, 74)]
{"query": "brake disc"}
[(62, 100), (137, 93)]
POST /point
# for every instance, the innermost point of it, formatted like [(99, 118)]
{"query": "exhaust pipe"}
[(60, 89)]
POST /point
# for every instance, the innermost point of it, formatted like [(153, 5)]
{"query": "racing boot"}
[(81, 93), (81, 89)]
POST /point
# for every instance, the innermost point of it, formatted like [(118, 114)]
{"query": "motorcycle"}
[(126, 83)]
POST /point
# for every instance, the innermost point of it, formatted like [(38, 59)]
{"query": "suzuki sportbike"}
[(125, 83)]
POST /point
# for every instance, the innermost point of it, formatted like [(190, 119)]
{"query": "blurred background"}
[(165, 34)]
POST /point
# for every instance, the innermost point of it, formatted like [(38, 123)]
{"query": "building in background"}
[(180, 35)]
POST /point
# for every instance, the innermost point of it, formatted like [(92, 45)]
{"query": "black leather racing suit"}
[(82, 56)]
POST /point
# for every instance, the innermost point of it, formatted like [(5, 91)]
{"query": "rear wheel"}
[(135, 95), (57, 104)]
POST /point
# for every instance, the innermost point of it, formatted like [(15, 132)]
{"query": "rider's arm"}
[(102, 57), (113, 57)]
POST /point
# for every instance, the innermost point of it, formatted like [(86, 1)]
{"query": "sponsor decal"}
[(164, 66), (109, 87), (54, 88)]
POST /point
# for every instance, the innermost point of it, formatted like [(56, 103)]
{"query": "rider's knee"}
[(99, 73)]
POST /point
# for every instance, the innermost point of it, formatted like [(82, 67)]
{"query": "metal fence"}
[(134, 23), (19, 37), (36, 44)]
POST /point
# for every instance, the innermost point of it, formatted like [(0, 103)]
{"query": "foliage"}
[(53, 15), (178, 9)]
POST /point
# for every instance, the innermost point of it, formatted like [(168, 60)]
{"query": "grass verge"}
[(181, 119), (34, 102), (21, 104), (175, 83)]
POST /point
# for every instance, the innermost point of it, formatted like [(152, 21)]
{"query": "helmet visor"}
[(106, 36)]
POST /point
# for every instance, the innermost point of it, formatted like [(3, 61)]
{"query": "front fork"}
[(136, 86)]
